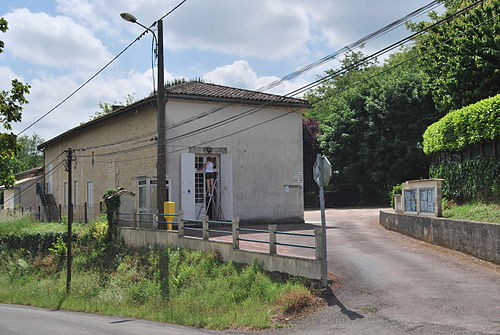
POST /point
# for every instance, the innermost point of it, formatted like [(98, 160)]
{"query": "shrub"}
[(472, 180), (396, 189), (468, 125)]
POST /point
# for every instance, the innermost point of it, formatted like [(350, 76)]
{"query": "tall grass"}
[(14, 223), (109, 279)]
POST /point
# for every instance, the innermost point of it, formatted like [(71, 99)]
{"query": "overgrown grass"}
[(17, 223), (109, 279), (484, 212)]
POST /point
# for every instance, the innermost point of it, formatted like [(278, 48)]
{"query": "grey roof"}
[(199, 91), (206, 90)]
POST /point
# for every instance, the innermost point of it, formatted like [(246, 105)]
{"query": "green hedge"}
[(472, 180), (36, 243), (468, 125)]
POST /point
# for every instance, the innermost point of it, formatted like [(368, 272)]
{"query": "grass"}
[(483, 212), (110, 279), (19, 224)]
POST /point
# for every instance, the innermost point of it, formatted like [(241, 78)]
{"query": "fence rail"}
[(208, 227)]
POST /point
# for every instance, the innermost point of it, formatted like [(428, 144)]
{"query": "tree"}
[(11, 102), (311, 147), (107, 108), (372, 128), (27, 156), (461, 58)]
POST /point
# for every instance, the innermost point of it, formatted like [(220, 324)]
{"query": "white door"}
[(187, 185), (226, 185)]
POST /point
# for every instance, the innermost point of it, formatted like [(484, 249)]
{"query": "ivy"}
[(112, 205), (468, 125), (471, 180), (35, 243)]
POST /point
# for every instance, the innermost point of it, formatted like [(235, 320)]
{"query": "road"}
[(387, 283), (383, 283)]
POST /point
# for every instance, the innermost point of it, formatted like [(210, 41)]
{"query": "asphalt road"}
[(383, 283), (387, 283), (23, 320)]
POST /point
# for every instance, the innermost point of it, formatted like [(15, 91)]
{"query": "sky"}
[(56, 45)]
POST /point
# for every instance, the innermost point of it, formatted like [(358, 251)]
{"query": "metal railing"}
[(204, 226)]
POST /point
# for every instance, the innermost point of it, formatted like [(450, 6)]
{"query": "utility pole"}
[(69, 242), (161, 163)]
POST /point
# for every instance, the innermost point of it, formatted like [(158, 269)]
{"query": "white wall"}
[(265, 158)]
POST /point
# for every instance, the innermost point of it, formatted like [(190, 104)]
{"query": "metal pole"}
[(70, 221), (161, 165), (324, 263)]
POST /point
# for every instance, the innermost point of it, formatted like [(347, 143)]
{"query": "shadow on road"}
[(332, 300), (60, 302), (122, 321)]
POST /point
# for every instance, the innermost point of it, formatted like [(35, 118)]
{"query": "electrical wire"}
[(95, 74), (387, 28), (322, 98)]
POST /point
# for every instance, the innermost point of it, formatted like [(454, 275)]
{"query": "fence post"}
[(85, 217), (180, 224), (318, 236), (236, 233), (22, 210), (60, 213), (204, 222), (272, 238), (134, 222), (39, 214), (100, 207)]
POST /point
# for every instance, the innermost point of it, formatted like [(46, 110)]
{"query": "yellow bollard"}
[(169, 208)]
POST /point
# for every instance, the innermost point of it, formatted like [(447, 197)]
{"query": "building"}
[(254, 138), (23, 195)]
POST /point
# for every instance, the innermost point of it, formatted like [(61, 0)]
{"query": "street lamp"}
[(161, 163)]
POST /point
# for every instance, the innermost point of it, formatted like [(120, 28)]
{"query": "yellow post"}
[(169, 208)]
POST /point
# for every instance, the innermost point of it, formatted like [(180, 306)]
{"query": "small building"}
[(254, 138), (23, 195)]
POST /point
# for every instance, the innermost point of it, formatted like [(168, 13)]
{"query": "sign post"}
[(322, 172)]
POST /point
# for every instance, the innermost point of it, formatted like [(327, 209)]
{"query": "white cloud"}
[(48, 91), (53, 41), (6, 76), (260, 28), (240, 74)]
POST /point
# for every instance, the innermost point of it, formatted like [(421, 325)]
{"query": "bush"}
[(396, 189), (472, 180), (468, 125), (35, 243)]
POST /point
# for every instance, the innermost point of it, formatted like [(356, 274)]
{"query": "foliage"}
[(204, 291), (371, 129), (27, 156), (468, 125), (462, 67), (482, 212), (107, 108), (311, 147), (396, 189), (35, 243), (471, 180), (11, 102), (112, 205)]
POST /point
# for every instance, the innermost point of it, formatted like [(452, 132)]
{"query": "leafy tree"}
[(107, 108), (461, 58), (27, 156), (372, 128), (11, 102), (311, 147)]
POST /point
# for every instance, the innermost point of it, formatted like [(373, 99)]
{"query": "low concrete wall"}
[(303, 267), (478, 239)]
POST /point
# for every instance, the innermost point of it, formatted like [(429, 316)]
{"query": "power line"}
[(387, 28), (317, 82), (95, 74), (322, 98)]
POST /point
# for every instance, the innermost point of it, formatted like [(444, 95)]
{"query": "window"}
[(148, 188), (90, 193)]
